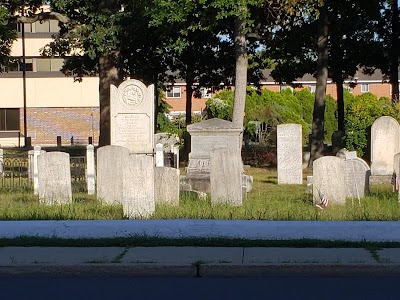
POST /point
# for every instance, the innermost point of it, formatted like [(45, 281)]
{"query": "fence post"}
[(90, 170), (1, 162), (159, 155), (36, 153)]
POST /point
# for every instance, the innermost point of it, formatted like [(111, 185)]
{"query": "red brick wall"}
[(48, 123)]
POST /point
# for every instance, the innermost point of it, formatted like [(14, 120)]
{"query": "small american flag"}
[(323, 200), (395, 181)]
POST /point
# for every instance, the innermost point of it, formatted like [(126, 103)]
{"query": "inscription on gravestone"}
[(132, 110)]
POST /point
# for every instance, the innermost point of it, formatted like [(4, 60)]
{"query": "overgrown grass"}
[(267, 201)]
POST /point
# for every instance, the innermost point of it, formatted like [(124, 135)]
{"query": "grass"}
[(267, 201)]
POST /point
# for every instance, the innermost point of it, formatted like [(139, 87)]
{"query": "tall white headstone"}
[(290, 154), (90, 170), (54, 172), (111, 161), (385, 143), (226, 169), (167, 185)]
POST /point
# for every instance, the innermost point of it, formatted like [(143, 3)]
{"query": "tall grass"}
[(266, 201)]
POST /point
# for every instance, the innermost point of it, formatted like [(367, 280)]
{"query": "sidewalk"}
[(198, 261), (201, 261)]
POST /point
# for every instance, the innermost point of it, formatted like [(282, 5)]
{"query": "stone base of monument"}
[(380, 179), (196, 182)]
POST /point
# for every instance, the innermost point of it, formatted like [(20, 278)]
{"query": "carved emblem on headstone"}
[(132, 96)]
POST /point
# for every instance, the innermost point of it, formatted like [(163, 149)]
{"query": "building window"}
[(49, 64), (174, 92), (364, 88), (347, 87), (285, 87), (205, 93), (311, 88), (9, 119)]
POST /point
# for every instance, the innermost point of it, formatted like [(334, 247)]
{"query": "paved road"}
[(198, 288)]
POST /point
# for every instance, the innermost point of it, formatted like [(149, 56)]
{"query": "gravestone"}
[(90, 170), (357, 173), (329, 178), (385, 143), (159, 155), (132, 116), (226, 169), (167, 185), (111, 161), (289, 154), (205, 137), (138, 186), (54, 176)]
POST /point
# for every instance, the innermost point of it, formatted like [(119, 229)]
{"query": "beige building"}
[(56, 105)]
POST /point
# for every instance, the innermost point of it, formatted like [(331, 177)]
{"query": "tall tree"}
[(386, 56)]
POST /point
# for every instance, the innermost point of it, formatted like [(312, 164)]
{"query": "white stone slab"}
[(357, 173), (329, 178), (138, 199), (289, 154), (385, 143), (111, 161), (166, 184), (132, 116), (54, 174), (226, 169)]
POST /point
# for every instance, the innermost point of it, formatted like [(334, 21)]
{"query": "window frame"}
[(3, 119), (171, 92), (363, 86)]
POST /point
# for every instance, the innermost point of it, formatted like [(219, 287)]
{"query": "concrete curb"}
[(212, 270)]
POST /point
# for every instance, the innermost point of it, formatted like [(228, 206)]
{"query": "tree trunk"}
[(109, 73), (394, 64), (240, 72), (317, 133), (340, 103), (189, 93)]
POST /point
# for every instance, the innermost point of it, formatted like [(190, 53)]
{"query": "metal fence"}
[(16, 173)]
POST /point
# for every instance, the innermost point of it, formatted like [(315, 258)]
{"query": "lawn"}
[(266, 201)]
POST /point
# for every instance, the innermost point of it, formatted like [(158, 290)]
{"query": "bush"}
[(361, 112)]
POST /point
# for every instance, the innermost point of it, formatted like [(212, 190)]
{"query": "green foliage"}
[(361, 112)]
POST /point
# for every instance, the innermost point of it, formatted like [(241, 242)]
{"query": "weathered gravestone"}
[(385, 143), (167, 185), (329, 178), (111, 161), (54, 176), (290, 154), (205, 137), (126, 179), (138, 186), (226, 169), (132, 116), (357, 173)]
